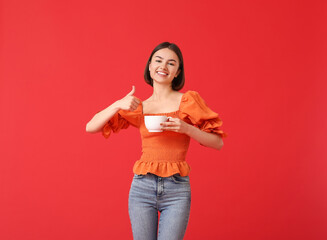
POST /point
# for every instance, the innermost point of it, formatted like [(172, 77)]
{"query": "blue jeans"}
[(150, 194)]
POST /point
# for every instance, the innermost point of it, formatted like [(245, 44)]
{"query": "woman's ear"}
[(177, 73)]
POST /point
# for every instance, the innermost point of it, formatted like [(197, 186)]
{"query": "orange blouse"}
[(163, 153)]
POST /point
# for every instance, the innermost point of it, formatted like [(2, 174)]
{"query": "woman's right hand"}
[(129, 102)]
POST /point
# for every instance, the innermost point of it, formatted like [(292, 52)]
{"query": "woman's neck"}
[(161, 92)]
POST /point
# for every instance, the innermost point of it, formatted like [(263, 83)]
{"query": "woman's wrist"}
[(116, 106), (190, 130)]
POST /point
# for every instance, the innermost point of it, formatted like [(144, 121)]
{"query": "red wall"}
[(260, 64)]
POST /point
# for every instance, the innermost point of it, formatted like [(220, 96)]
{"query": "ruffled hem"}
[(121, 120), (162, 169), (114, 125), (213, 126)]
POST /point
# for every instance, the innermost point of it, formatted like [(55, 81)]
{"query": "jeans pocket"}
[(177, 178)]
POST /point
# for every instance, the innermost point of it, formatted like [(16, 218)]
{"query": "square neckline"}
[(166, 113)]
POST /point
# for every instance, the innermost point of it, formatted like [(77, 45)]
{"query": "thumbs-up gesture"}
[(129, 102)]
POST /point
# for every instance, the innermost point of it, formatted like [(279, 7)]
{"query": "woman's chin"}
[(162, 81)]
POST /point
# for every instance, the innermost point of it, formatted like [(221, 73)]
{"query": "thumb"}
[(131, 92)]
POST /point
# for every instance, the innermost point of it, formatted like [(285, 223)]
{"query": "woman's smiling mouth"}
[(162, 73)]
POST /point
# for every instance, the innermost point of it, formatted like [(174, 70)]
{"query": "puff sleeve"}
[(122, 120), (195, 111)]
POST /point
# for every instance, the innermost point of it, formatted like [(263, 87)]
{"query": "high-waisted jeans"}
[(150, 194)]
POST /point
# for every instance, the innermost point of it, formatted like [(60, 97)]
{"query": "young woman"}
[(161, 182)]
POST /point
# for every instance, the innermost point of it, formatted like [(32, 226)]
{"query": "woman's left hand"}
[(175, 125)]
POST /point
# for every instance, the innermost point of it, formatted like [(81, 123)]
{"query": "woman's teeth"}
[(161, 73)]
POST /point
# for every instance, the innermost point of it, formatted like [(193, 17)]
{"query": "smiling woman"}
[(166, 59), (161, 182)]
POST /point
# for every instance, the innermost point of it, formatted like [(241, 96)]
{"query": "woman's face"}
[(164, 66)]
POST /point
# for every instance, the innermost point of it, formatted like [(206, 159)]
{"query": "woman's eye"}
[(158, 61), (172, 64)]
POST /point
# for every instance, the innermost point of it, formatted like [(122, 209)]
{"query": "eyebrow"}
[(168, 59)]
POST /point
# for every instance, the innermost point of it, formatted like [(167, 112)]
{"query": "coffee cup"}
[(152, 123)]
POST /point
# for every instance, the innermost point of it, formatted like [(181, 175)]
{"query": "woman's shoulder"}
[(192, 102), (195, 109), (190, 95)]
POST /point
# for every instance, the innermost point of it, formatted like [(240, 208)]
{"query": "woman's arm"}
[(101, 118), (211, 140), (129, 102)]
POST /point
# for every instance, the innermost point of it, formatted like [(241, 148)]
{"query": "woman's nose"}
[(163, 65)]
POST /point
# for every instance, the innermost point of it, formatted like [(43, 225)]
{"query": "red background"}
[(260, 64)]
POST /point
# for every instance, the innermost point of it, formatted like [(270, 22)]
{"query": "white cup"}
[(152, 123)]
